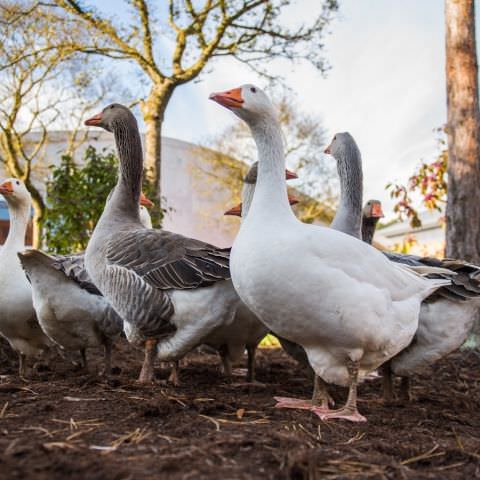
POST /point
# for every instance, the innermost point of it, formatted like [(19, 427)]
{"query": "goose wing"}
[(465, 278), (73, 266), (168, 260)]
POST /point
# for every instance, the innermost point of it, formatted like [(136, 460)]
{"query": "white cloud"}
[(386, 87)]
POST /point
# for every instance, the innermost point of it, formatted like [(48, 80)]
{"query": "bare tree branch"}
[(193, 34)]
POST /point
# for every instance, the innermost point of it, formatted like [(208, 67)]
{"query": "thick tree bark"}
[(38, 218), (463, 207), (153, 110)]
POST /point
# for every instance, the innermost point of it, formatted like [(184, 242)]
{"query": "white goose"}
[(342, 300), (18, 323), (69, 308), (447, 316)]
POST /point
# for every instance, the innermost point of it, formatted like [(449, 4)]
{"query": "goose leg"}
[(405, 389), (349, 411), (320, 398), (107, 348), (146, 374), (22, 365), (387, 383), (251, 350), (175, 374), (83, 354), (226, 363), (250, 374)]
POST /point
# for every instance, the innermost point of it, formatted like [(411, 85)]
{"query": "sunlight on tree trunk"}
[(153, 111), (38, 217), (463, 208)]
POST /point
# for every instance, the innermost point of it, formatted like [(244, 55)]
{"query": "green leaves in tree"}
[(76, 196)]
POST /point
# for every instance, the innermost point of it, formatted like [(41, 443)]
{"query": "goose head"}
[(15, 192), (237, 209), (145, 202), (111, 117), (342, 146), (248, 102), (249, 187), (373, 210), (252, 174), (145, 218)]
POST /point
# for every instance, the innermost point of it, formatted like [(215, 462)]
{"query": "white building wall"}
[(193, 213), (429, 239)]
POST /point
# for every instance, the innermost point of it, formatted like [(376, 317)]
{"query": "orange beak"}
[(95, 120), (6, 188), (146, 202), (230, 98), (327, 150), (289, 175), (376, 211), (292, 199), (237, 211)]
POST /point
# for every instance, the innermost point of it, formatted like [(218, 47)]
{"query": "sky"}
[(386, 86)]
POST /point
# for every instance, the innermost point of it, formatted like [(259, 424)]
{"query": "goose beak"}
[(6, 188), (146, 202), (94, 121), (292, 199), (376, 211), (289, 175), (327, 150), (236, 211), (229, 99)]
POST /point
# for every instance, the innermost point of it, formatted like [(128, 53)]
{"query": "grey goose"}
[(166, 287)]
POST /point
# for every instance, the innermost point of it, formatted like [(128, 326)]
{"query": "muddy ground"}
[(68, 424)]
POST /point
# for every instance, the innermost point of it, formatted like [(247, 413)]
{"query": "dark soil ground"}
[(67, 424)]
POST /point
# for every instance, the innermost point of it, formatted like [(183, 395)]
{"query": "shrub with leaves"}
[(429, 181), (76, 197)]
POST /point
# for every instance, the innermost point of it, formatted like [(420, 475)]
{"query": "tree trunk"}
[(153, 110), (38, 218), (463, 207)]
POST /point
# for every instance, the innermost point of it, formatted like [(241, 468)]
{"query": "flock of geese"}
[(339, 306)]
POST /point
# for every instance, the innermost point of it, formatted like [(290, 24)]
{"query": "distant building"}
[(429, 239), (194, 209), (5, 222)]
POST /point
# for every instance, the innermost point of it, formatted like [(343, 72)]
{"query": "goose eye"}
[(111, 106), (18, 183), (253, 89)]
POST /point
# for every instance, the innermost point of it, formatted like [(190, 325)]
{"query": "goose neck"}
[(127, 192), (271, 189), (19, 216), (348, 217), (369, 226), (247, 197)]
